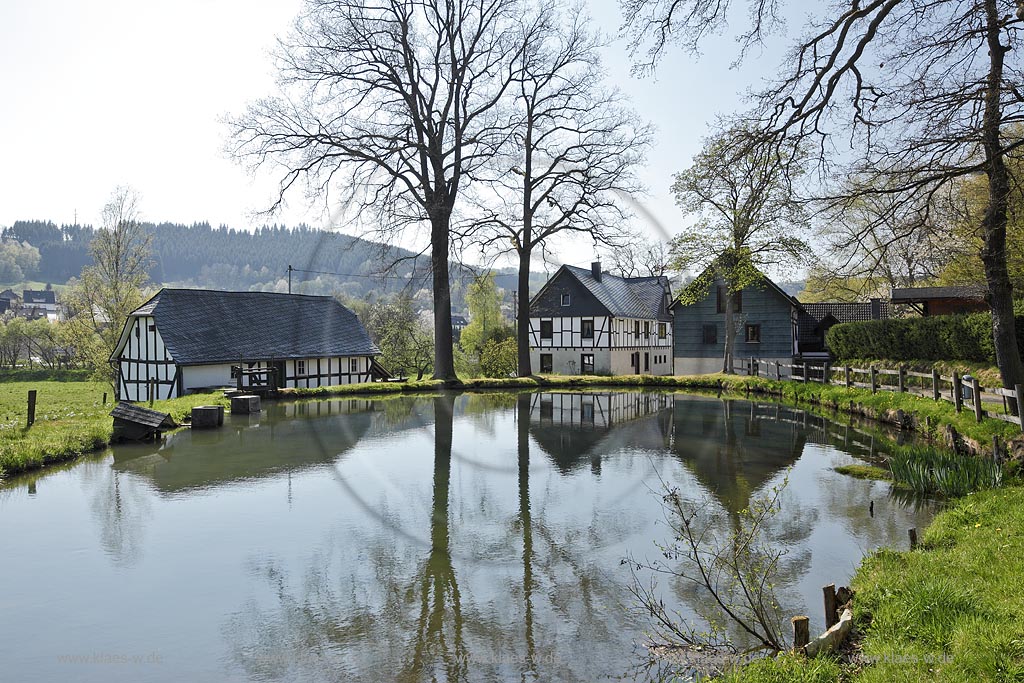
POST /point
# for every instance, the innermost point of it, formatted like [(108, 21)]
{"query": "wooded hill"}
[(200, 255)]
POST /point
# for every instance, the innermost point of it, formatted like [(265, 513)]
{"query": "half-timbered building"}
[(183, 340), (591, 322)]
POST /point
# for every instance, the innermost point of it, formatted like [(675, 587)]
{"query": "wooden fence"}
[(963, 391)]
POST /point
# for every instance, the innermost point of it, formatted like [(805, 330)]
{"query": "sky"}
[(110, 93)]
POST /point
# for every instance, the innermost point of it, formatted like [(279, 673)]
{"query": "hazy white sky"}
[(120, 92)]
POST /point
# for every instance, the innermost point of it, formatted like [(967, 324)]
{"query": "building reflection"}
[(284, 439)]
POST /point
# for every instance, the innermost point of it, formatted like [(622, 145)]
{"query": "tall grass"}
[(930, 471)]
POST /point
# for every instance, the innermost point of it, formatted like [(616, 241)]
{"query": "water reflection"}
[(456, 537)]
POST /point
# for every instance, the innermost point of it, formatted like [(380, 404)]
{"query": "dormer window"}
[(566, 299)]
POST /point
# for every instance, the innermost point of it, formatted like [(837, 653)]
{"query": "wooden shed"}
[(135, 423)]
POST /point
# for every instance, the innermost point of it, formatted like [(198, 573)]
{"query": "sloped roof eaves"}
[(918, 294), (202, 327)]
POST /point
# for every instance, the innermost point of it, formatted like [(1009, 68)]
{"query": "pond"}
[(474, 537)]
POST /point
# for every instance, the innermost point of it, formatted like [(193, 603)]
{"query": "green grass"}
[(858, 471), (956, 602), (785, 668), (931, 471), (70, 420)]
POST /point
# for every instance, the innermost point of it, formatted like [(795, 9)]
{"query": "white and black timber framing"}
[(144, 366)]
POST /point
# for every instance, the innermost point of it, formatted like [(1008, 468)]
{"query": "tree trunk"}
[(727, 365), (993, 224), (444, 357), (523, 315)]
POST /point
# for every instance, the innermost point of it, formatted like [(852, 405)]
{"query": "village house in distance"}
[(184, 340), (591, 322)]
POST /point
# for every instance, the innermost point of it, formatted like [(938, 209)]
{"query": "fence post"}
[(805, 372), (874, 380), (751, 372), (958, 393), (831, 608), (903, 378), (826, 376), (801, 633), (935, 383), (31, 407), (104, 398), (912, 533), (976, 395), (1018, 390), (849, 379), (778, 371), (152, 392)]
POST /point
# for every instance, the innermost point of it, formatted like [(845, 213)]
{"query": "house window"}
[(753, 334), (300, 367), (647, 362), (587, 363), (547, 409), (152, 327), (647, 330), (662, 330), (545, 329), (587, 412), (566, 299), (636, 329), (546, 364), (353, 365), (711, 334), (737, 300), (587, 329)]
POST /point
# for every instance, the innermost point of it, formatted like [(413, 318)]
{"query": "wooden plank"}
[(883, 371), (1000, 391), (922, 375), (1012, 419)]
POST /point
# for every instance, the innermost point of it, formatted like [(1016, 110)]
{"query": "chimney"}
[(876, 309), (595, 268)]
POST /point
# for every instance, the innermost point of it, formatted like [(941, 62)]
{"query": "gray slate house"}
[(766, 322), (585, 321), (40, 304), (182, 340)]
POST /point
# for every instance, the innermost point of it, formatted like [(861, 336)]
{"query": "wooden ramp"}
[(135, 423)]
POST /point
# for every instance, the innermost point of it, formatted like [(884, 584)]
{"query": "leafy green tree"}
[(746, 217), (111, 287), (485, 319), (18, 260), (406, 342), (13, 341)]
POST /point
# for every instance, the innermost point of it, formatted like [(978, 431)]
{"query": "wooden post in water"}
[(912, 533), (31, 407), (801, 633), (849, 379), (831, 608), (902, 377), (935, 384), (874, 380), (976, 395), (958, 393)]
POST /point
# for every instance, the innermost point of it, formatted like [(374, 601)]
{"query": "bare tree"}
[(393, 104), (743, 199), (572, 152), (639, 257), (924, 92)]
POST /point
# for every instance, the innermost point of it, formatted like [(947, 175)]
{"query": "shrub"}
[(947, 337), (498, 358)]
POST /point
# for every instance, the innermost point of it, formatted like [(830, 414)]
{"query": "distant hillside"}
[(200, 255)]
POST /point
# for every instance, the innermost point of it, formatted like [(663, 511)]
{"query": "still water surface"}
[(456, 537)]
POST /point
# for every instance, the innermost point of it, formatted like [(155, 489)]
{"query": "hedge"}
[(946, 337)]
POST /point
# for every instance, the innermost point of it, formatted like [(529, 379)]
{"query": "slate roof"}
[(40, 297), (846, 312), (632, 297), (143, 416), (9, 295), (201, 326), (918, 294)]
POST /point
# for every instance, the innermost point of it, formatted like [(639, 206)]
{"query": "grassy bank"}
[(70, 420), (948, 611)]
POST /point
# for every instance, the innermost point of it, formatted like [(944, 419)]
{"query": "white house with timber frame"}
[(183, 340), (590, 322)]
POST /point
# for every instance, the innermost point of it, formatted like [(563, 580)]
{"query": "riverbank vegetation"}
[(71, 419)]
